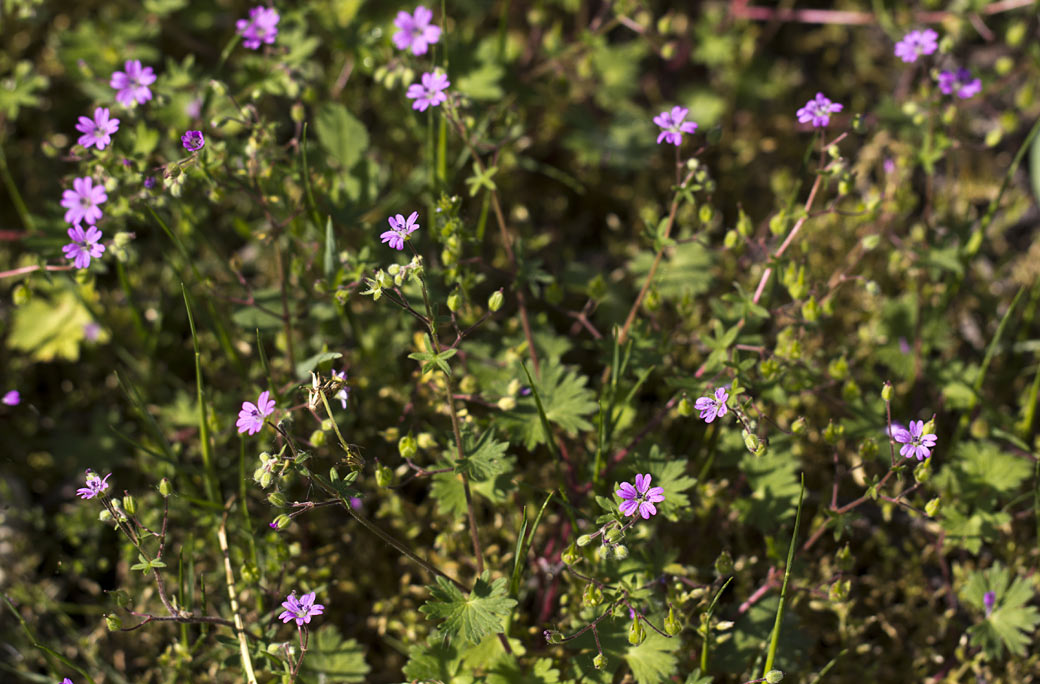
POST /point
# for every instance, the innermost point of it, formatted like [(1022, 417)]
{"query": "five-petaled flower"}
[(917, 43), (95, 485), (85, 245), (914, 441), (959, 82), (12, 398), (251, 416), (81, 203), (430, 92), (712, 408), (97, 131), (260, 27), (640, 498), (818, 111), (344, 392), (416, 32), (674, 125), (401, 230), (300, 609), (193, 141), (133, 83)]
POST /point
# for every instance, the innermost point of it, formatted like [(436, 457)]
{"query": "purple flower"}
[(712, 408), (818, 111), (85, 245), (97, 131), (917, 43), (914, 442), (401, 230), (12, 398), (66, 681), (133, 83), (674, 126), (640, 497), (959, 82), (95, 485), (251, 416), (344, 392), (273, 524), (260, 27), (989, 600), (149, 183), (430, 92), (300, 609), (82, 201), (193, 141), (91, 331), (416, 31)]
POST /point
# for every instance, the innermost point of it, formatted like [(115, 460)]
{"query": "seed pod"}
[(636, 633)]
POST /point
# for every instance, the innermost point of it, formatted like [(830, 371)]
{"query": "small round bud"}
[(751, 441), (886, 392), (266, 478), (281, 522), (584, 539), (599, 661), (570, 555), (407, 446), (671, 623), (552, 636), (592, 596), (774, 677), (129, 505), (21, 295), (454, 301), (620, 551), (614, 535), (724, 564), (636, 633), (425, 440), (495, 301), (384, 476), (165, 488), (923, 471), (318, 438), (798, 426), (113, 622), (277, 499), (506, 403), (685, 407), (932, 507)]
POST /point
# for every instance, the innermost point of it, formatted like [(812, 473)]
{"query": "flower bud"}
[(685, 407), (671, 623), (774, 677), (592, 596), (798, 426), (886, 392), (570, 555), (454, 301), (636, 633), (724, 564), (113, 622), (506, 403), (384, 476), (129, 505), (265, 479), (584, 539), (281, 522), (620, 551), (426, 441), (751, 441), (923, 471), (297, 113), (165, 488), (552, 636), (495, 301), (407, 446), (277, 499), (318, 438), (614, 534), (599, 661), (932, 507)]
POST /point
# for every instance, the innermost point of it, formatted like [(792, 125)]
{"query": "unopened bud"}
[(671, 623), (495, 301), (599, 661), (932, 507), (425, 440), (751, 441), (886, 392), (592, 596), (636, 633), (318, 438), (454, 301), (113, 622), (165, 488), (384, 476), (277, 499), (506, 403), (281, 522), (407, 446), (724, 564), (570, 555), (552, 636), (620, 551), (774, 677), (584, 539), (685, 407), (129, 505), (798, 426)]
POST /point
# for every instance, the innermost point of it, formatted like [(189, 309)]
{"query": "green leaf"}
[(566, 401), (303, 370), (473, 617), (329, 258), (654, 660), (341, 134), (331, 659), (1012, 622), (485, 457), (774, 489), (18, 89), (49, 328), (511, 672), (1034, 167), (436, 662)]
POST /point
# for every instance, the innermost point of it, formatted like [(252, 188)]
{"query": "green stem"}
[(775, 640), (16, 197)]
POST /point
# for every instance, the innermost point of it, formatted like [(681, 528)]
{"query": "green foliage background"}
[(926, 276)]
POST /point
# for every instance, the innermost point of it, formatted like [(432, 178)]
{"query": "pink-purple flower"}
[(260, 27), (430, 92), (818, 111), (416, 32), (193, 141), (917, 43), (959, 82), (12, 398), (401, 229), (674, 125), (95, 485), (344, 392), (85, 245), (914, 441), (639, 498), (133, 83), (989, 601), (300, 609), (251, 416), (81, 203), (97, 131), (712, 407)]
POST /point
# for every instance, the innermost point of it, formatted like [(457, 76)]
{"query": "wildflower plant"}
[(611, 415)]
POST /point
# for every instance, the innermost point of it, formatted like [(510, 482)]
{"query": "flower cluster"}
[(639, 498), (300, 609), (95, 485), (260, 28), (251, 416)]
